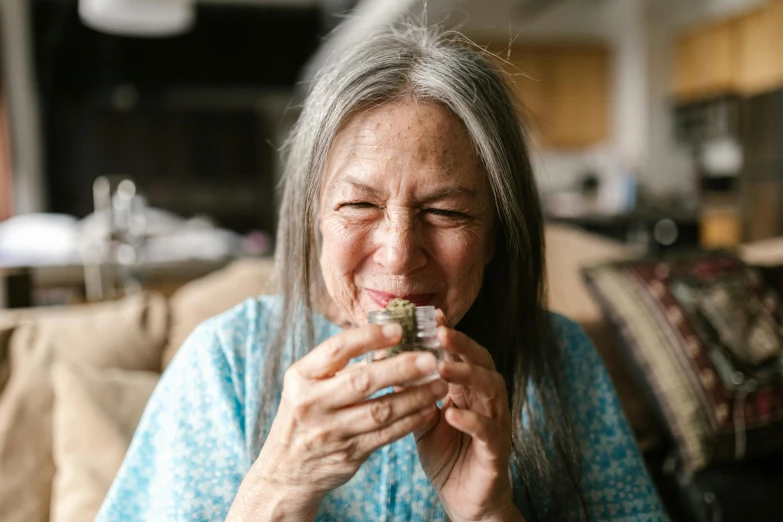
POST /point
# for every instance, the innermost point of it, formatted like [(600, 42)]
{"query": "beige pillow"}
[(765, 252), (6, 331), (568, 251), (126, 334), (211, 295), (93, 408)]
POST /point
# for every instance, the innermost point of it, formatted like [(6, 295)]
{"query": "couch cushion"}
[(6, 331), (211, 295), (766, 252), (126, 334), (92, 409), (568, 251), (704, 335)]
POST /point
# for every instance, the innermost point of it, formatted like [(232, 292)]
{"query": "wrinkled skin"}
[(405, 210)]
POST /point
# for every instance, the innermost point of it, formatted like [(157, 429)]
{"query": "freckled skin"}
[(405, 208)]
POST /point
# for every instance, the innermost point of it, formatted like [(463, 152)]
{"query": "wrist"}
[(508, 514), (511, 514), (258, 499)]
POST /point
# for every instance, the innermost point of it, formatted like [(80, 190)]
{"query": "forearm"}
[(255, 501)]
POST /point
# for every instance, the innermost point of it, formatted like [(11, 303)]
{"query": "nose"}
[(399, 248)]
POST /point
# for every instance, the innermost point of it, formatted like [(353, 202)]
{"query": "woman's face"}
[(405, 211)]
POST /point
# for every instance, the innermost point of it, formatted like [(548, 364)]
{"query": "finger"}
[(378, 414), (358, 382), (485, 432), (487, 385), (457, 343), (331, 356), (370, 442), (441, 319)]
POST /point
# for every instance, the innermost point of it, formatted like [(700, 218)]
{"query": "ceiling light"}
[(150, 18)]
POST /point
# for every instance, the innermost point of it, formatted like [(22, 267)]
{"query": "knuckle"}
[(346, 453), (492, 394), (379, 438), (316, 440), (405, 366), (333, 348), (301, 407), (360, 382), (381, 412), (499, 384), (291, 377), (350, 449), (292, 386)]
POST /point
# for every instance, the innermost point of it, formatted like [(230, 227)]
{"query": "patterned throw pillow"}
[(705, 336)]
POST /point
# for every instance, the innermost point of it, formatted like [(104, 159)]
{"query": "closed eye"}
[(359, 204), (444, 212)]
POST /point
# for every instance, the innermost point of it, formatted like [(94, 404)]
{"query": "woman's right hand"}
[(325, 427)]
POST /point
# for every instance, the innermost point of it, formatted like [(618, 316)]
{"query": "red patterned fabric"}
[(706, 338)]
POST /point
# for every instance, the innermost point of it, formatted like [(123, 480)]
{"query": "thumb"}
[(429, 426), (442, 320)]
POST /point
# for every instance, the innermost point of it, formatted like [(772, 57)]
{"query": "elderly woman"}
[(407, 176)]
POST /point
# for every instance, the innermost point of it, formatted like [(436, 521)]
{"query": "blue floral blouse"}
[(205, 423)]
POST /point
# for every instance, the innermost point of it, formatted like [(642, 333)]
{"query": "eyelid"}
[(358, 204), (445, 211)]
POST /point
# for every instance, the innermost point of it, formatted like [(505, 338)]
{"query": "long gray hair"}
[(509, 316)]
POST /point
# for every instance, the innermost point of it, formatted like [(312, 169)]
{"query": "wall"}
[(29, 194), (641, 33), (621, 24), (673, 14), (670, 167)]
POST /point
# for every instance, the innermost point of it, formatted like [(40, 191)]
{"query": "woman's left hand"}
[(464, 449)]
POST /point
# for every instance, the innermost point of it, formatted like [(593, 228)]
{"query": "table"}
[(19, 285)]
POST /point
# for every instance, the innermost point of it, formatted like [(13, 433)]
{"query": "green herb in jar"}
[(403, 312)]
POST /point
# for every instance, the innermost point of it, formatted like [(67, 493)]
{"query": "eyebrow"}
[(428, 198)]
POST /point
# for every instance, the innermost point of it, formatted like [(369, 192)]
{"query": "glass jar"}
[(425, 338)]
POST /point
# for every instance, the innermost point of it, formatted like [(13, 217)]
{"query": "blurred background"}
[(139, 164), (141, 137)]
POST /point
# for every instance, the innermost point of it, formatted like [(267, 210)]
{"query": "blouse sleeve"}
[(615, 481), (188, 455)]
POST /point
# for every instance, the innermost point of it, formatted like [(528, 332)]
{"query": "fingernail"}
[(426, 363), (439, 387), (392, 330)]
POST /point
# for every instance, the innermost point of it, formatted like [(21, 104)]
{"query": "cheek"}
[(461, 259), (343, 245), (458, 252), (343, 248)]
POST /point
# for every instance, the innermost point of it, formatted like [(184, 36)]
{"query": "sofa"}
[(74, 381)]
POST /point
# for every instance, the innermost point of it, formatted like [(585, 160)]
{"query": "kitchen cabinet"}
[(564, 91), (743, 55), (578, 97), (706, 62), (760, 45)]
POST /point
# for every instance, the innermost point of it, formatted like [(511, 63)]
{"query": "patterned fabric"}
[(705, 335), (205, 424)]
